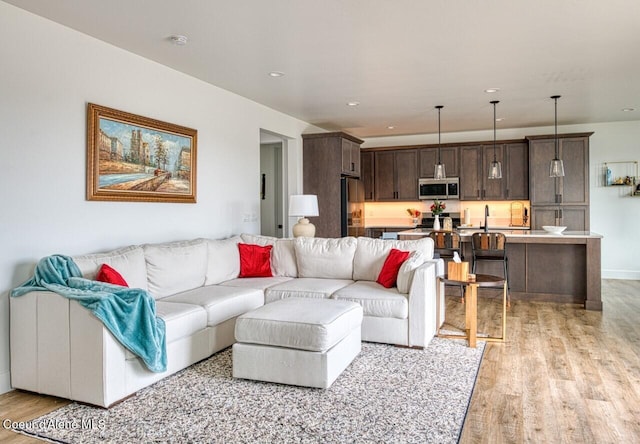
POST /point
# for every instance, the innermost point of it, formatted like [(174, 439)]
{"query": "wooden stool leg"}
[(504, 312)]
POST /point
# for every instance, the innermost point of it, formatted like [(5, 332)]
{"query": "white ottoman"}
[(297, 341)]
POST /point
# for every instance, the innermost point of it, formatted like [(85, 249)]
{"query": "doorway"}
[(272, 157)]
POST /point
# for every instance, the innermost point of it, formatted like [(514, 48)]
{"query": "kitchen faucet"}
[(486, 215)]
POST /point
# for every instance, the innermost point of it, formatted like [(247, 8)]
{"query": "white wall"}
[(49, 73), (612, 214)]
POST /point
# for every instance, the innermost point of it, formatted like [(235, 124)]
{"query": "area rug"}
[(388, 394)]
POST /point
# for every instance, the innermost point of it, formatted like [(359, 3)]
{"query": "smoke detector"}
[(179, 40)]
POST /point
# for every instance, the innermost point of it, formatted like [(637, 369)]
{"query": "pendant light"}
[(556, 168), (495, 168), (438, 172)]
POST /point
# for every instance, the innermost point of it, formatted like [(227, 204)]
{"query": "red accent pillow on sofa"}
[(389, 273), (255, 261), (111, 276)]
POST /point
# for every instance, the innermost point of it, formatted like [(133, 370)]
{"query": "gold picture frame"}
[(133, 158)]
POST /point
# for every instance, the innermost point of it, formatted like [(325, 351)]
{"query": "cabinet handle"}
[(353, 166), (478, 193), (560, 215), (508, 194)]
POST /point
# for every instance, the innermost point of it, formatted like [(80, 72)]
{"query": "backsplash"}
[(395, 213)]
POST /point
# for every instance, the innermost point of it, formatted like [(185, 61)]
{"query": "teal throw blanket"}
[(128, 313)]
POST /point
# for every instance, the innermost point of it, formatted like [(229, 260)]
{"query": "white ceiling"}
[(397, 58)]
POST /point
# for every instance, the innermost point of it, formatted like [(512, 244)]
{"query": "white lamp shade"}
[(303, 205)]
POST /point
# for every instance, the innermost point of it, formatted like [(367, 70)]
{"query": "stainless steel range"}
[(427, 222)]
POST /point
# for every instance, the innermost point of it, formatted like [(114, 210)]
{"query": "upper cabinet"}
[(366, 174), (470, 175), (573, 188), (428, 158), (396, 175), (516, 168), (350, 157), (342, 151), (474, 171)]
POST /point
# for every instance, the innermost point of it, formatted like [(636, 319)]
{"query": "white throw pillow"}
[(325, 258), (371, 254), (283, 255), (128, 261), (174, 267), (405, 275), (224, 260)]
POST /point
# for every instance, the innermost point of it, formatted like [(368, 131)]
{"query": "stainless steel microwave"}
[(441, 189)]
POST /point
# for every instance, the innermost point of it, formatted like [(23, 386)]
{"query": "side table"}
[(471, 306)]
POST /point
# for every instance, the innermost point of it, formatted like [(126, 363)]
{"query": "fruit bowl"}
[(553, 229)]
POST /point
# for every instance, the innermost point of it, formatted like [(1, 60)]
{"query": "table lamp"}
[(303, 205)]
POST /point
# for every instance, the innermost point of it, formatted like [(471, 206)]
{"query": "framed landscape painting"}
[(135, 158)]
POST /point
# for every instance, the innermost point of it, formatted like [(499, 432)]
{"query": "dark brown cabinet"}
[(492, 189), (428, 158), (396, 175), (574, 217), (323, 166), (516, 170), (350, 157), (573, 188), (474, 172), (470, 178), (366, 174), (560, 200)]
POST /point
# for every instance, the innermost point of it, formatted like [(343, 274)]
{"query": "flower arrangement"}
[(437, 207), (413, 212)]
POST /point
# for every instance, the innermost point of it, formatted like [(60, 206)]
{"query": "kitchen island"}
[(543, 266)]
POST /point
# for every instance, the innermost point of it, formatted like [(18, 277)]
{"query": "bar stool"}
[(491, 247), (446, 243)]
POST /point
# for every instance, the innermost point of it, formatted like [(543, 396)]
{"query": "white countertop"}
[(510, 233)]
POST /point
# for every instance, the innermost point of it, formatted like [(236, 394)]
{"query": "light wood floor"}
[(565, 375)]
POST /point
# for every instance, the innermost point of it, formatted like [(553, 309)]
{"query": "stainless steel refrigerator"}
[(352, 207)]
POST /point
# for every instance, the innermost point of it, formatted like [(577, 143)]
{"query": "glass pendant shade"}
[(439, 172), (556, 168), (495, 168)]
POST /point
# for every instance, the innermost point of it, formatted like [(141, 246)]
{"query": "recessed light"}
[(276, 74), (353, 103), (179, 40), (492, 90), (499, 119), (628, 110), (391, 127)]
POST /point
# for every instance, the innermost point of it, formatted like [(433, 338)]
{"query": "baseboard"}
[(5, 382), (631, 275)]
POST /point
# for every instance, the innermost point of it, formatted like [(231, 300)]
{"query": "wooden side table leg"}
[(471, 314)]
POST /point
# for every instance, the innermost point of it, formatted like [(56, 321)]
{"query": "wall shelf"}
[(621, 174)]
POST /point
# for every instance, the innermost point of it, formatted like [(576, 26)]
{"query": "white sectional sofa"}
[(59, 348)]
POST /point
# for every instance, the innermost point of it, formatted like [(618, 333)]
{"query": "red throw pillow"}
[(255, 261), (389, 273), (111, 276)]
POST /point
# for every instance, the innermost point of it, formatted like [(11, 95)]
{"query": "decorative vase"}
[(436, 222), (414, 221)]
